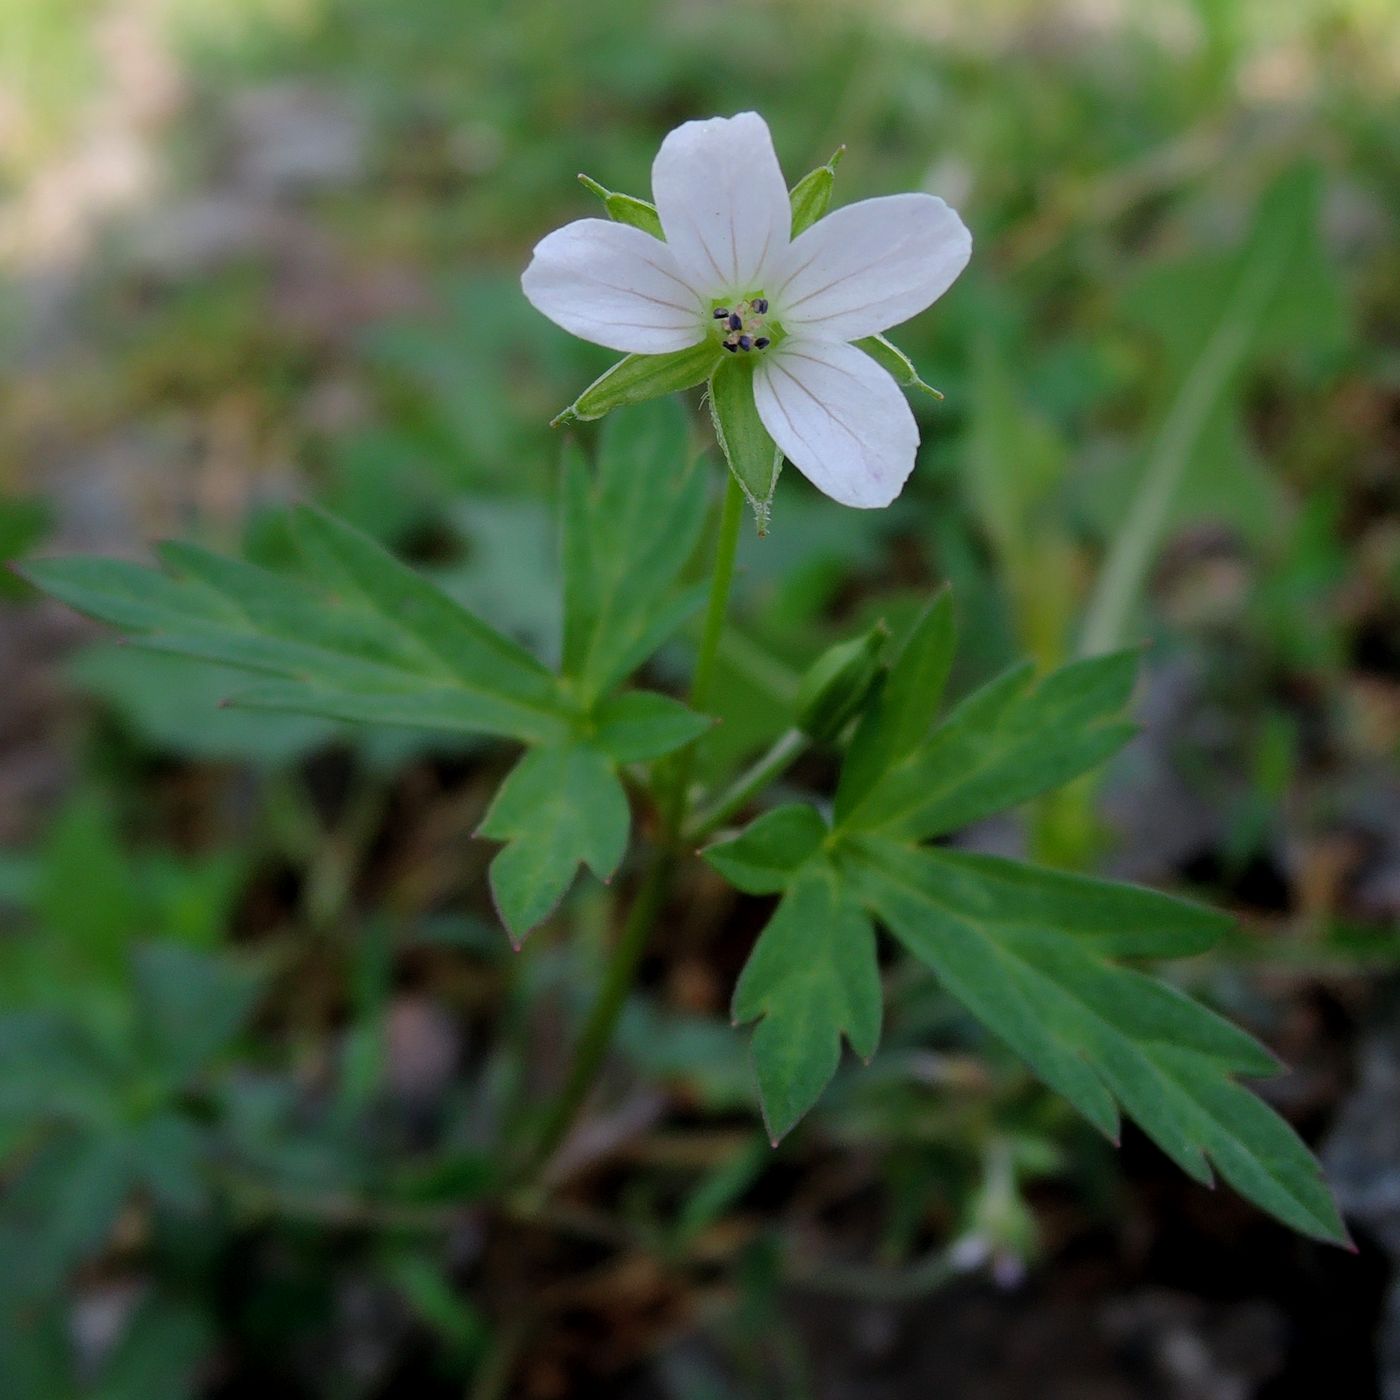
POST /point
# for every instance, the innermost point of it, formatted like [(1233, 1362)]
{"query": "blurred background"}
[(261, 1040)]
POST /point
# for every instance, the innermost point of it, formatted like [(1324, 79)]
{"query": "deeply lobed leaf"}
[(561, 807), (812, 977), (1009, 741), (1009, 949), (367, 640)]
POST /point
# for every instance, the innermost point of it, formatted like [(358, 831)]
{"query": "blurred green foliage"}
[(261, 1053)]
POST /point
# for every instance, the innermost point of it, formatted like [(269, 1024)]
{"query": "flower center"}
[(742, 327)]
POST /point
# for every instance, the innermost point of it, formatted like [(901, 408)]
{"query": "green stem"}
[(622, 963), (785, 751), (602, 1020), (726, 548)]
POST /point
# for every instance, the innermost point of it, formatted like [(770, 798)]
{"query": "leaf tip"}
[(225, 704)]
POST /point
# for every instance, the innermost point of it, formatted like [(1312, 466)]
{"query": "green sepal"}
[(753, 456), (811, 195), (891, 358), (638, 378), (768, 853), (626, 208)]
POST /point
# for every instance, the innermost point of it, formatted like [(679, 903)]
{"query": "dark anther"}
[(760, 304), (762, 343), (721, 313), (728, 346), (736, 322), (745, 342)]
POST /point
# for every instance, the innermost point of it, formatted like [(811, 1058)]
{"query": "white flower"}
[(793, 304)]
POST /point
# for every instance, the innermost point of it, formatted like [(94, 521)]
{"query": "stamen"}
[(741, 324)]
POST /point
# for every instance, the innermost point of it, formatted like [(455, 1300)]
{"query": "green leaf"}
[(23, 524), (158, 1354), (768, 853), (60, 1210), (1100, 1034), (629, 532), (638, 378), (639, 725), (811, 195), (1112, 919), (173, 704), (626, 208), (1007, 742), (437, 1300), (167, 1156), (559, 808), (88, 894), (902, 713), (189, 1006), (1279, 288), (50, 1071), (370, 640), (753, 456), (892, 359), (812, 976)]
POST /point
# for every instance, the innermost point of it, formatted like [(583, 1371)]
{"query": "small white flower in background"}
[(729, 273)]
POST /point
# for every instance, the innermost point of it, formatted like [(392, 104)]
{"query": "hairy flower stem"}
[(673, 790)]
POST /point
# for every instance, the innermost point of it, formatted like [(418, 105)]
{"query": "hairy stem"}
[(673, 789)]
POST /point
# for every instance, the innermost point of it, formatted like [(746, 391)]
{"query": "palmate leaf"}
[(1012, 740), (361, 637), (367, 639), (1026, 951), (561, 807), (1028, 967)]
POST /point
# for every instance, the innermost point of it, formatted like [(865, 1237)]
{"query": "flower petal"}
[(616, 286), (839, 418), (723, 202), (869, 266)]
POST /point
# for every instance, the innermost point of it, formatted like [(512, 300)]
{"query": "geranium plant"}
[(731, 281)]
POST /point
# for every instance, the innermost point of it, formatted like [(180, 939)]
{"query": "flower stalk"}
[(671, 792)]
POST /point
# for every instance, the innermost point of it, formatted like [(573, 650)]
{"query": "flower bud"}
[(838, 684)]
